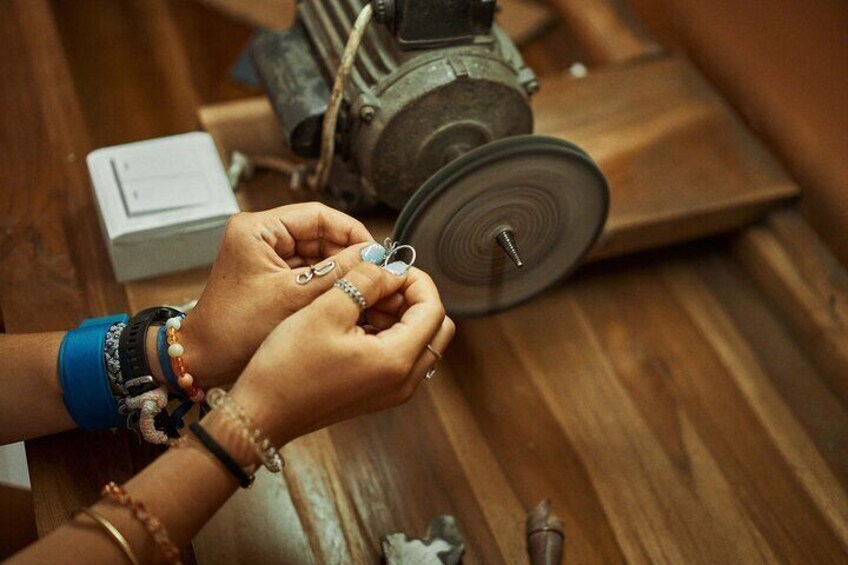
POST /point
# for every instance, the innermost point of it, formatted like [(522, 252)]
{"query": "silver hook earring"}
[(322, 271), (392, 249)]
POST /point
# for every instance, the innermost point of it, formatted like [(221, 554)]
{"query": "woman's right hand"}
[(319, 366)]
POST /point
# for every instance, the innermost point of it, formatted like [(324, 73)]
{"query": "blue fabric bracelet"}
[(165, 360), (82, 374)]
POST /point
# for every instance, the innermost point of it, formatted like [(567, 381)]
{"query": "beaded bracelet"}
[(152, 524), (176, 352), (262, 447)]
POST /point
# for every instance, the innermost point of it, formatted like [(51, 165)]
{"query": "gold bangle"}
[(113, 533)]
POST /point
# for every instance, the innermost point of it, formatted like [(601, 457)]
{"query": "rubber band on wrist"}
[(152, 524), (243, 476), (178, 365)]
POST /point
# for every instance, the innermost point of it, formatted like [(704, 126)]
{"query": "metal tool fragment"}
[(443, 545), (545, 535)]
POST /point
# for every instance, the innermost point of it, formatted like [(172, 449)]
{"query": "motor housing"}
[(415, 100)]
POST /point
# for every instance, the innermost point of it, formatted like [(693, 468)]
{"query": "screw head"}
[(367, 113)]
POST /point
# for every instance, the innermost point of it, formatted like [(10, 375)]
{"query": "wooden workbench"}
[(682, 406)]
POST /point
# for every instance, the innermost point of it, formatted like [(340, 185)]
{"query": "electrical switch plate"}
[(163, 203)]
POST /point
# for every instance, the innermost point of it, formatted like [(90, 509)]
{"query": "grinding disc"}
[(548, 192)]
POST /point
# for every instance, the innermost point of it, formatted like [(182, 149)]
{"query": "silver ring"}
[(348, 288), (435, 353), (393, 247), (322, 271)]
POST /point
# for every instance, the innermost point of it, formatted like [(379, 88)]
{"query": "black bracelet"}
[(245, 480), (132, 349)]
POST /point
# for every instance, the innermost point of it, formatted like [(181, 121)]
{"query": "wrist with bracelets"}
[(154, 526), (106, 377), (242, 430)]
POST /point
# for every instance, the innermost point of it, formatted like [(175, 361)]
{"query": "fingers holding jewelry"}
[(311, 229), (368, 282), (320, 277), (421, 319)]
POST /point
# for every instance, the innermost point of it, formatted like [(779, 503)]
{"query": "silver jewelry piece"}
[(348, 288), (144, 380), (435, 353), (322, 271), (392, 249), (430, 374)]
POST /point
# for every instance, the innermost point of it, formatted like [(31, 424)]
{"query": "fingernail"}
[(398, 268), (374, 253)]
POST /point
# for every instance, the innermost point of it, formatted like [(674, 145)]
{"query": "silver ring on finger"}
[(432, 372), (348, 288), (435, 353)]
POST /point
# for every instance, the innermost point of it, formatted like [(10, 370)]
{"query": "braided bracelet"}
[(176, 352), (152, 524), (262, 446)]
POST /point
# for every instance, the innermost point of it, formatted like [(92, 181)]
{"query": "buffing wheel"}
[(547, 192)]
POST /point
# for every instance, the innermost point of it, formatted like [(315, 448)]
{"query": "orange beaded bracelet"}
[(152, 524), (176, 352)]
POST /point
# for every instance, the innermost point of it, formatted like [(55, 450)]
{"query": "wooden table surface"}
[(684, 406)]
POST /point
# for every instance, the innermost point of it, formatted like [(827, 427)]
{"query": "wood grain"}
[(784, 66), (672, 411), (54, 268), (607, 30), (679, 162), (807, 285)]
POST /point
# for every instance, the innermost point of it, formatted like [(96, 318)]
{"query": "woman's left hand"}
[(252, 287)]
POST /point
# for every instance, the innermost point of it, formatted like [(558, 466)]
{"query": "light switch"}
[(157, 177), (163, 203)]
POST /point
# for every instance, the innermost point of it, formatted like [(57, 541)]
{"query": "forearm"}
[(31, 404), (183, 488)]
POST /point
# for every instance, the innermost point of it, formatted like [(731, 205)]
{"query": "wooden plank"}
[(670, 370), (606, 30), (54, 266), (272, 14), (680, 164), (807, 285), (792, 94), (647, 476), (807, 463)]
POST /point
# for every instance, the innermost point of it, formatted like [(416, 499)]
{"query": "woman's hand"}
[(320, 366), (252, 285)]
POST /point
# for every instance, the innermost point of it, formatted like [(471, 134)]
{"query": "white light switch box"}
[(163, 203)]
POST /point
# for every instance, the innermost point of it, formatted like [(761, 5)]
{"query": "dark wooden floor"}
[(669, 403)]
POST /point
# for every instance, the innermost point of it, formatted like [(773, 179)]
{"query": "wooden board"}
[(660, 401), (793, 92), (680, 163)]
